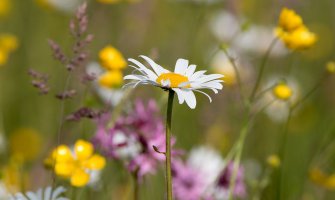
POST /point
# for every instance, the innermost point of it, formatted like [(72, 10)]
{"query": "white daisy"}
[(41, 194), (184, 80)]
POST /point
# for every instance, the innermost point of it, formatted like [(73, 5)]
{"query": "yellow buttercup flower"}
[(299, 39), (320, 178), (76, 165), (8, 42), (13, 176), (5, 7), (25, 144), (292, 31), (111, 79), (282, 91), (330, 67), (112, 59), (273, 161), (289, 20), (3, 57)]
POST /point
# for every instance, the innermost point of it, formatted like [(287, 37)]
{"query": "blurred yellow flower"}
[(292, 31), (282, 91), (5, 7), (273, 161), (8, 42), (330, 67), (76, 165), (111, 79), (3, 57), (25, 144), (320, 178), (112, 59), (13, 176), (289, 20), (299, 39)]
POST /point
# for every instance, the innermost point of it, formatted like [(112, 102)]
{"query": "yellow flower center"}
[(282, 91), (174, 79)]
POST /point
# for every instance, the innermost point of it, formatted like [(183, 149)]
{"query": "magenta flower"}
[(221, 190), (132, 138), (188, 183), (205, 176)]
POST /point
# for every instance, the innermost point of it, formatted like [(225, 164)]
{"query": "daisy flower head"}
[(184, 80), (42, 194)]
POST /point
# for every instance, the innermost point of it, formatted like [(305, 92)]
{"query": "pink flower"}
[(132, 138), (188, 183)]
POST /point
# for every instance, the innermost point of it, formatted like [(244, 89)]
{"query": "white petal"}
[(180, 95), (57, 192), (181, 66), (210, 99), (197, 75), (209, 78), (157, 68), (190, 70), (134, 77), (189, 98), (150, 73), (47, 193), (32, 196)]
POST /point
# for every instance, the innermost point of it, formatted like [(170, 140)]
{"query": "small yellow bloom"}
[(330, 67), (282, 91), (299, 39), (289, 20), (330, 182), (111, 79), (112, 59), (5, 7), (25, 144), (317, 176), (273, 161), (83, 150), (14, 175), (79, 178), (76, 165), (3, 57), (62, 154), (8, 42), (320, 178)]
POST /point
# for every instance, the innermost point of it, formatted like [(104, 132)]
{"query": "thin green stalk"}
[(136, 190), (238, 76), (262, 69), (282, 148), (308, 94), (168, 145), (136, 186), (240, 144)]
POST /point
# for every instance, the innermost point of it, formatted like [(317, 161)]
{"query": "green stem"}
[(136, 185), (238, 76), (262, 68), (240, 144), (308, 94), (282, 148), (168, 145)]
